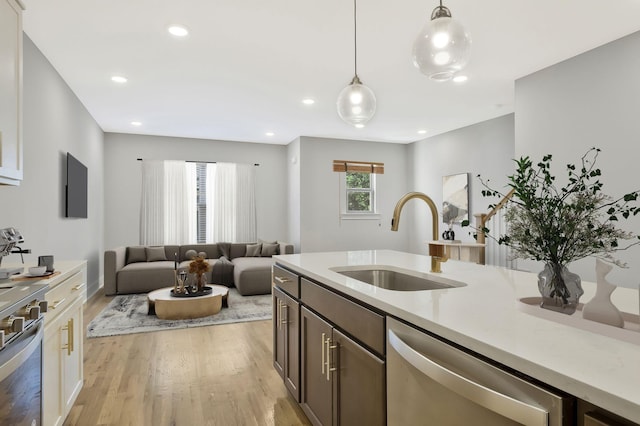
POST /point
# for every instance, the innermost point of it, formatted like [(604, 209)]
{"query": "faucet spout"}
[(435, 251)]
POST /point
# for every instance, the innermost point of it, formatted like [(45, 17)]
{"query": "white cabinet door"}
[(52, 376), (62, 375), (72, 357), (10, 92)]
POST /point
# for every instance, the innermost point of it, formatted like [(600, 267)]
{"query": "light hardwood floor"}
[(216, 375)]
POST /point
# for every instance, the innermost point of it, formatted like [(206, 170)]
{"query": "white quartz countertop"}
[(486, 316)]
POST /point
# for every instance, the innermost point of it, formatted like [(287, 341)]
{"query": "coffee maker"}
[(9, 239)]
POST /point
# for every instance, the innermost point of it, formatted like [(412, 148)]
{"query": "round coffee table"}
[(165, 306)]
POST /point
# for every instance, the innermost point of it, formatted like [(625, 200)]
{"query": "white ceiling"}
[(247, 64)]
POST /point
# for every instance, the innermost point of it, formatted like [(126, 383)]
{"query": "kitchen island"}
[(484, 315)]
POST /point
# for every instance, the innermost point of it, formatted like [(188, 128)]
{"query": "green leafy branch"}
[(560, 225)]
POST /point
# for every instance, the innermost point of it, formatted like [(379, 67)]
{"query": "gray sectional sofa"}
[(140, 269)]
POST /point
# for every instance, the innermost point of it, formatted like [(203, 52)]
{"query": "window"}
[(188, 202), (360, 192), (201, 185), (358, 188)]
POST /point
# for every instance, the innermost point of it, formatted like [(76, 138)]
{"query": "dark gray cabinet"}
[(286, 340), (329, 350), (315, 398), (342, 382)]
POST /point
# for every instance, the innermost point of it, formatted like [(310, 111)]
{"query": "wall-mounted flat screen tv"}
[(76, 188)]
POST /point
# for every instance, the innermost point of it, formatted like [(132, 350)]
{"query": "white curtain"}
[(152, 204), (233, 212), (191, 189), (246, 226), (168, 210), (211, 190)]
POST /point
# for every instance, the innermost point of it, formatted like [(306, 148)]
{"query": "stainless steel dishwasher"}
[(430, 382)]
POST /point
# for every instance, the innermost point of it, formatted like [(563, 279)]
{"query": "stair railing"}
[(481, 223)]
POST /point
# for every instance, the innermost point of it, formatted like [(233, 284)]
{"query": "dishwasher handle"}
[(492, 400)]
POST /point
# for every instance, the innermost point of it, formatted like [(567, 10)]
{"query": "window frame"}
[(347, 214)]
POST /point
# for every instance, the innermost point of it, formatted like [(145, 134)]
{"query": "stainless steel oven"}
[(21, 335)]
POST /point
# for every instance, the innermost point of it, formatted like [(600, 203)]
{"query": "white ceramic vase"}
[(600, 308)]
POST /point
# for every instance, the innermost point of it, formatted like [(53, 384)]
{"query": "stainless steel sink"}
[(394, 280)]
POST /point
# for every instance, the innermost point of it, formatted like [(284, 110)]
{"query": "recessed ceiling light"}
[(308, 101), (119, 79), (136, 123), (422, 131), (359, 125), (178, 31), (269, 133), (460, 78)]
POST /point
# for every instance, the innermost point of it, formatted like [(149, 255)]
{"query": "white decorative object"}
[(600, 308)]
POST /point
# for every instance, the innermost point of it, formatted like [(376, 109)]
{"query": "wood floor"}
[(216, 375)]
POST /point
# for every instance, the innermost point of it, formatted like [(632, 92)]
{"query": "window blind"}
[(358, 166)]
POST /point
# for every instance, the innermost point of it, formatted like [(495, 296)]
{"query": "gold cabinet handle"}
[(281, 280), (284, 319), (58, 303), (328, 368), (323, 353), (279, 317), (79, 287), (70, 344), (71, 334)]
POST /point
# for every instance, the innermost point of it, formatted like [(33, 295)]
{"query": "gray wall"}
[(485, 148), (55, 122), (590, 100), (293, 191), (320, 226), (123, 179)]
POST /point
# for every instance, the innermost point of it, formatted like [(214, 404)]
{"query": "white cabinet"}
[(62, 350), (10, 92)]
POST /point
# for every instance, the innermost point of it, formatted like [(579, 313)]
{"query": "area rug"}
[(127, 314)]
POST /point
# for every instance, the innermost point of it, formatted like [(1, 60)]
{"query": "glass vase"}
[(560, 288), (201, 282)]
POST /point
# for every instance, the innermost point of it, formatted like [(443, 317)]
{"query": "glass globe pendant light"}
[(442, 48), (356, 102)]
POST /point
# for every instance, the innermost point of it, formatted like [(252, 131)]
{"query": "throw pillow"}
[(155, 254), (266, 242), (269, 250), (253, 250), (203, 254), (136, 254)]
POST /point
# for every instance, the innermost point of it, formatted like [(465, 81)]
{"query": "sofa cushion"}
[(142, 277), (136, 254), (253, 250), (237, 250), (211, 250), (269, 250), (155, 254), (252, 275)]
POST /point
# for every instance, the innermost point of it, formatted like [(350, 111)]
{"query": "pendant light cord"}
[(355, 39)]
